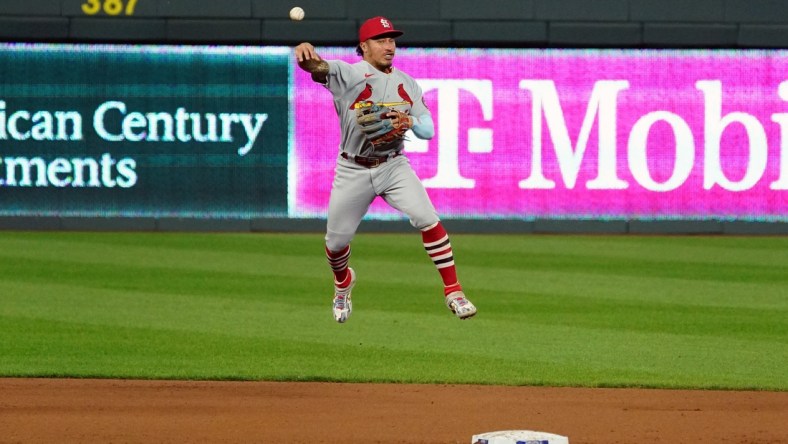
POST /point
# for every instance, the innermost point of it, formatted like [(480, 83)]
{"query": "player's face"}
[(379, 52)]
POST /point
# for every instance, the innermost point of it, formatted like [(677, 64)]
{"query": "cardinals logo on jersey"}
[(404, 94), (362, 97)]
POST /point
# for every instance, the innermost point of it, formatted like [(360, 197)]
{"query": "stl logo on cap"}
[(375, 27)]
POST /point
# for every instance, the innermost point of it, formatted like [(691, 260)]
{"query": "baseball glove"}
[(381, 124)]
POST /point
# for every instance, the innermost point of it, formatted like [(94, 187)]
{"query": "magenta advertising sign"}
[(637, 134)]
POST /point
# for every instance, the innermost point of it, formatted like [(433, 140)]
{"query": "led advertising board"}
[(636, 134), (242, 132), (120, 130)]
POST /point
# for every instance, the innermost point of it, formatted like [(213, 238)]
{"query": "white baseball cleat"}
[(343, 306), (460, 305)]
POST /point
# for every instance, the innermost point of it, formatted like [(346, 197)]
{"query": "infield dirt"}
[(131, 411)]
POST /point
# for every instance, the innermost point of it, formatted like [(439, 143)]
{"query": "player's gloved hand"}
[(381, 124)]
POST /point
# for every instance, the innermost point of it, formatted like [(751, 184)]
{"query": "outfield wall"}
[(552, 140)]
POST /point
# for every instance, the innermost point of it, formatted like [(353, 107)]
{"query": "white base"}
[(518, 437)]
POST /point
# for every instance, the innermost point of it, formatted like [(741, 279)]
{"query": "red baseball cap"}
[(376, 27)]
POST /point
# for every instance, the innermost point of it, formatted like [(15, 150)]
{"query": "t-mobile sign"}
[(577, 133)]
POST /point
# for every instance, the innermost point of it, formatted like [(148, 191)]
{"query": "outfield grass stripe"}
[(195, 354), (264, 262), (233, 242), (645, 267), (162, 280), (751, 251), (591, 311), (264, 316), (763, 251), (610, 285), (137, 308)]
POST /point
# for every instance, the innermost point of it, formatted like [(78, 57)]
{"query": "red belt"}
[(368, 162)]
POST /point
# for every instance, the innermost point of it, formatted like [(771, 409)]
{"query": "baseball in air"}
[(297, 13)]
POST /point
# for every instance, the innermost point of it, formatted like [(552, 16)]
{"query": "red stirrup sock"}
[(436, 242), (338, 261)]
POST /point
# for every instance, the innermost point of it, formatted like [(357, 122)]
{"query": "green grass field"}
[(599, 311)]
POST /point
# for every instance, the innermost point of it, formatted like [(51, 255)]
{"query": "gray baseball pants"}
[(355, 187)]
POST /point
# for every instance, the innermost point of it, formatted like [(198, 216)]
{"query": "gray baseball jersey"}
[(355, 186), (359, 82)]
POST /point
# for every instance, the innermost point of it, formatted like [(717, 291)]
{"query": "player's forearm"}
[(423, 126), (311, 62), (318, 69), (314, 66)]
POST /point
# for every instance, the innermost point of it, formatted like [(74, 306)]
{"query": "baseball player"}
[(376, 104)]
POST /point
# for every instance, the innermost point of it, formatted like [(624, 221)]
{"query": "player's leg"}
[(406, 193), (351, 195), (438, 246)]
